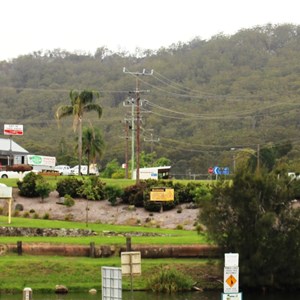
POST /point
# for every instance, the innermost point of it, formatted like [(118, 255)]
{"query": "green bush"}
[(43, 188), (27, 187), (112, 193), (157, 206), (134, 194), (46, 216), (68, 200), (92, 189), (69, 186), (169, 281)]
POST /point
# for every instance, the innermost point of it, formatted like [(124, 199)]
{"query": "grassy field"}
[(168, 236), (117, 182), (42, 273)]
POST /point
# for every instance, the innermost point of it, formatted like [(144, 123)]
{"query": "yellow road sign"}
[(231, 281)]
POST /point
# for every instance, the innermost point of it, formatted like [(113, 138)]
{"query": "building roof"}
[(7, 145)]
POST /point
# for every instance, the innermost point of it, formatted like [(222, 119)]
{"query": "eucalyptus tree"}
[(81, 101), (92, 144)]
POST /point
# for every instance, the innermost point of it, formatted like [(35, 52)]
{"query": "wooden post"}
[(19, 247), (128, 243), (9, 210), (27, 293), (92, 249)]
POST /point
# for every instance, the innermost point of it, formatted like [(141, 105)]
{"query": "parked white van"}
[(84, 170), (63, 169)]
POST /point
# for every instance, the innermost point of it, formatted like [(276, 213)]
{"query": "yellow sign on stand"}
[(162, 194)]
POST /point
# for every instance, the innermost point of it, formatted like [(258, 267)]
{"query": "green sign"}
[(36, 160)]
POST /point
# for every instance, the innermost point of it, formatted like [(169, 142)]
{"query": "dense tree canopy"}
[(254, 216), (205, 97)]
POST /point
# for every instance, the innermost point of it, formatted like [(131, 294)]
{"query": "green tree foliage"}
[(92, 144), (111, 168), (113, 193), (27, 186), (69, 186), (80, 102), (206, 97), (253, 216), (43, 188), (92, 189)]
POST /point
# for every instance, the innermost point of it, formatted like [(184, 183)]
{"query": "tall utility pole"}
[(138, 126), (131, 102), (151, 140), (126, 128)]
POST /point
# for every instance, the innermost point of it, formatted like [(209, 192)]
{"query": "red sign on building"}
[(13, 129)]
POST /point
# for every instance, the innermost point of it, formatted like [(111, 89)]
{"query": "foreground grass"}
[(42, 273), (166, 236)]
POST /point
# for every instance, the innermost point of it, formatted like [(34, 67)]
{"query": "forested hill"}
[(203, 99)]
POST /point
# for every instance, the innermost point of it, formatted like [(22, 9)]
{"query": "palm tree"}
[(80, 102), (92, 144)]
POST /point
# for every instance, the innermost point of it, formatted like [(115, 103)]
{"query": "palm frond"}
[(94, 107)]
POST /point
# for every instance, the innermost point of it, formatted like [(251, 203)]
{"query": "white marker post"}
[(231, 277)]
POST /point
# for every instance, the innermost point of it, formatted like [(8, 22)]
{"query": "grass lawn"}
[(42, 273), (169, 236)]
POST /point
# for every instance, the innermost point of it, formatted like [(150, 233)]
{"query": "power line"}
[(137, 97)]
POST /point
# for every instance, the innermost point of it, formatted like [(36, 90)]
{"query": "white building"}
[(11, 153), (153, 173)]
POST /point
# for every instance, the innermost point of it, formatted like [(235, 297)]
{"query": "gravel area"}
[(103, 212)]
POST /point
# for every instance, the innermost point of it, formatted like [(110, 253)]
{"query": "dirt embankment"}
[(103, 212)]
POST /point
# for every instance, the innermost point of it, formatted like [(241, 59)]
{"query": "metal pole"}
[(126, 151), (137, 131), (10, 150), (132, 139)]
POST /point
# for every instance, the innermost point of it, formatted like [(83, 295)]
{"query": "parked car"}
[(63, 169), (13, 174)]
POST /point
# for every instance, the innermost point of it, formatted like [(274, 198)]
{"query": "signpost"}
[(6, 193), (111, 283), (131, 265), (231, 277), (13, 129)]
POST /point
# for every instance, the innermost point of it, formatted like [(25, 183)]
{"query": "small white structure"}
[(111, 283), (153, 173)]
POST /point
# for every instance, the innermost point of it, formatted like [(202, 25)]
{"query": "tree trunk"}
[(79, 145)]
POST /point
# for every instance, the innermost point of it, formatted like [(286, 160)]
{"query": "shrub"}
[(26, 214), (134, 194), (158, 206), (92, 189), (27, 187), (169, 281), (112, 193), (69, 186), (36, 216), (16, 213), (46, 216), (68, 201), (69, 217), (1, 210), (43, 188), (19, 207)]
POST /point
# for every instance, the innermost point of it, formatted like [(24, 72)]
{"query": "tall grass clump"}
[(169, 281)]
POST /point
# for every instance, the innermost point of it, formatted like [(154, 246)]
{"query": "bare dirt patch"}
[(103, 212)]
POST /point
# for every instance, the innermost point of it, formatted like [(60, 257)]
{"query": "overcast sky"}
[(123, 25)]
